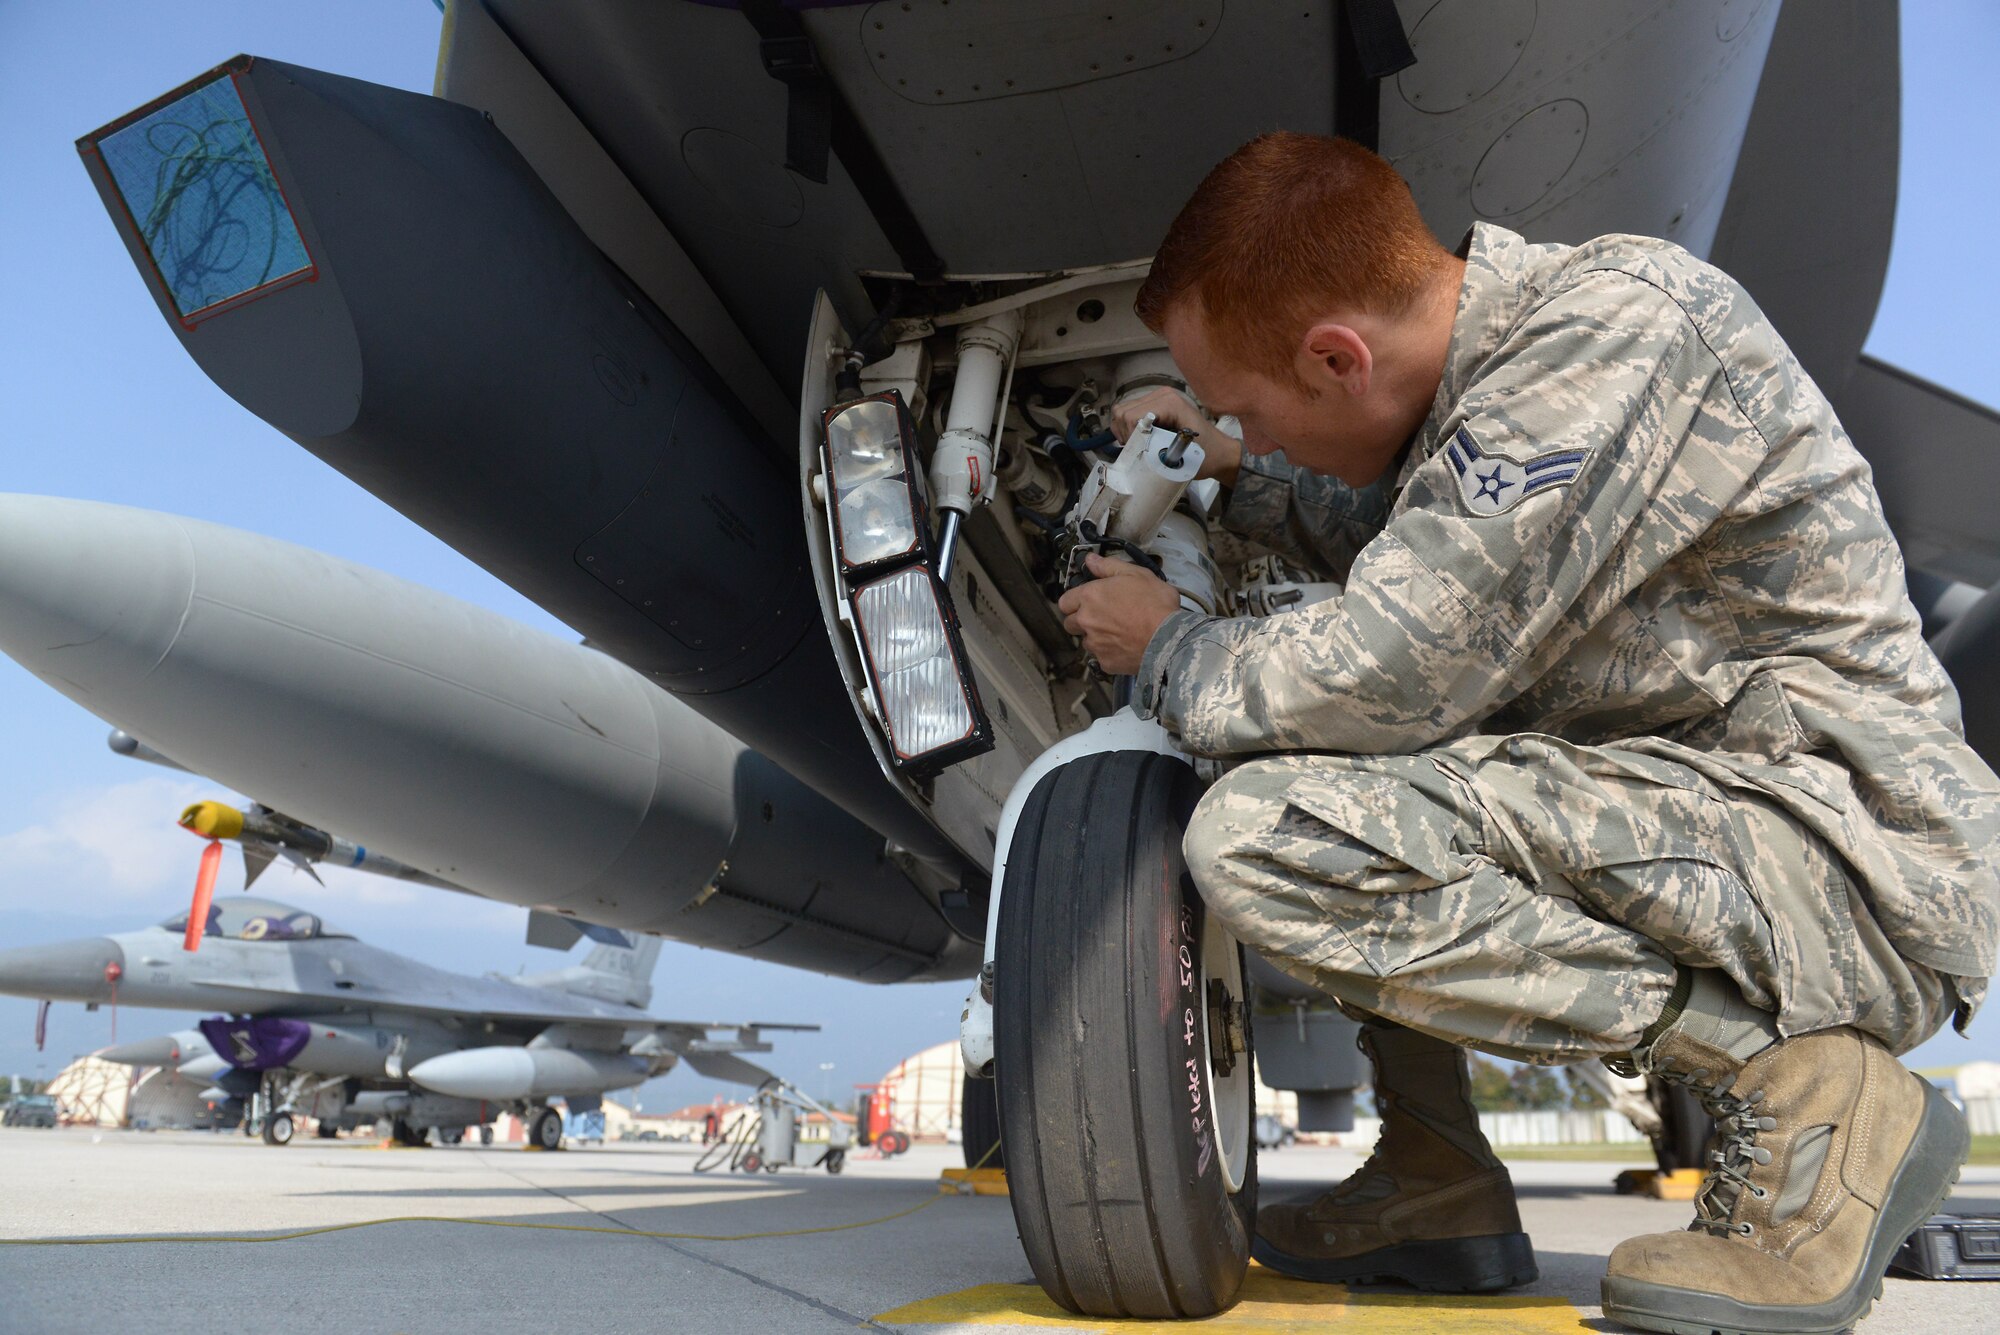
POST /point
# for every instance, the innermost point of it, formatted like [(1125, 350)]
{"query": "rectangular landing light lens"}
[(923, 697), (874, 507), (201, 193)]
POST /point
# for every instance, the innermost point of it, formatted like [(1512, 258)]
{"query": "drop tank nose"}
[(91, 595), (162, 1050), (447, 738)]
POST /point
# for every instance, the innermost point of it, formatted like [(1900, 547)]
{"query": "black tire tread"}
[(979, 1124), (1130, 1244)]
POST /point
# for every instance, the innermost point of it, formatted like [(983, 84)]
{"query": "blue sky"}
[(1937, 310), (97, 400)]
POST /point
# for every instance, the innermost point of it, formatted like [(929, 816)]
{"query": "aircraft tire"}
[(451, 1137), (486, 1135), (979, 1124), (546, 1130), (278, 1129), (1125, 1135)]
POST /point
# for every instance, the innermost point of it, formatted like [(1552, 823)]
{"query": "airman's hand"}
[(1116, 614), (1222, 453)]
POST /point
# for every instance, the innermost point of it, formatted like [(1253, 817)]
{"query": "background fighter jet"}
[(320, 1024)]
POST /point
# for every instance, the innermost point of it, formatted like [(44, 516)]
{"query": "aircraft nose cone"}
[(91, 595), (63, 971)]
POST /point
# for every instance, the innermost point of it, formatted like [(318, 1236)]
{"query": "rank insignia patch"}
[(1490, 484)]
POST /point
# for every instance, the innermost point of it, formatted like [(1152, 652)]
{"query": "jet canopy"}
[(245, 918)]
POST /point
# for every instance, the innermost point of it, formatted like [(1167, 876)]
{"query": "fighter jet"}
[(319, 1024), (770, 345)]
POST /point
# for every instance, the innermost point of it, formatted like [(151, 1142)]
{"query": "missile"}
[(123, 743), (266, 836), (463, 746), (499, 1074)]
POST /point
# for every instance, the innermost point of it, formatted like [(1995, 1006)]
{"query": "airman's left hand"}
[(1116, 614)]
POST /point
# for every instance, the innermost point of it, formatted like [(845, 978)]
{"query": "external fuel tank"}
[(420, 312), (519, 766)]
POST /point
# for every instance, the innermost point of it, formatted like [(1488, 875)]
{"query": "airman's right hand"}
[(1222, 453)]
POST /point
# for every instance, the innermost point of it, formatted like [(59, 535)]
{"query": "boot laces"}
[(1735, 1156), (1369, 1183)]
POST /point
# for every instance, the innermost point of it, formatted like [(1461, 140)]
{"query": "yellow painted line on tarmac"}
[(1270, 1304)]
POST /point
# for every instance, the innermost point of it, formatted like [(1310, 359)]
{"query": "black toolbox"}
[(1952, 1246)]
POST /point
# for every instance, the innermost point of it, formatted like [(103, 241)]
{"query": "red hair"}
[(1283, 231)]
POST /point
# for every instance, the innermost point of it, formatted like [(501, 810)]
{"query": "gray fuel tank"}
[(441, 332)]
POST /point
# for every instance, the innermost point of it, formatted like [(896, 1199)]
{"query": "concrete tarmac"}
[(952, 1265)]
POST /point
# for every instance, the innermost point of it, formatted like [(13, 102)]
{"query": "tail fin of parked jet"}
[(629, 968), (620, 974)]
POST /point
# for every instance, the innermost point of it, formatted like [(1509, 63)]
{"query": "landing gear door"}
[(826, 341)]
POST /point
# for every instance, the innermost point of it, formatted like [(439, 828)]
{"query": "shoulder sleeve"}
[(1309, 518), (1551, 464)]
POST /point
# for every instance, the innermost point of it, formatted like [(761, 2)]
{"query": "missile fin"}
[(300, 861), (255, 861)]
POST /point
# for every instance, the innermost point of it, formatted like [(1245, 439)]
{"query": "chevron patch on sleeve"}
[(1492, 484)]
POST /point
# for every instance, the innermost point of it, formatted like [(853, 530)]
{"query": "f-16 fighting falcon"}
[(1621, 741), (788, 353), (319, 1024)]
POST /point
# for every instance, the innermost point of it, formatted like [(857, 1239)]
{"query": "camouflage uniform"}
[(1625, 675)]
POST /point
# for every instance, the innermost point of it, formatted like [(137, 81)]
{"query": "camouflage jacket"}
[(1631, 519)]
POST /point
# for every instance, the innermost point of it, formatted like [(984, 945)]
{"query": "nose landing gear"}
[(1123, 1055)]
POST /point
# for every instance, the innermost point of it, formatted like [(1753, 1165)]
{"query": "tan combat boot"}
[(1827, 1154), (1432, 1207)]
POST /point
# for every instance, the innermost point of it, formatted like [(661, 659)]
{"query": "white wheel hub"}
[(1232, 1095)]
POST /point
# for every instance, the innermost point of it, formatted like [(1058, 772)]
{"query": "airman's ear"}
[(1333, 356)]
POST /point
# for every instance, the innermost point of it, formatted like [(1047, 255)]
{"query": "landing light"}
[(925, 698), (877, 511)]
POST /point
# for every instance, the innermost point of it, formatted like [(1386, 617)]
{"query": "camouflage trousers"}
[(1532, 899)]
